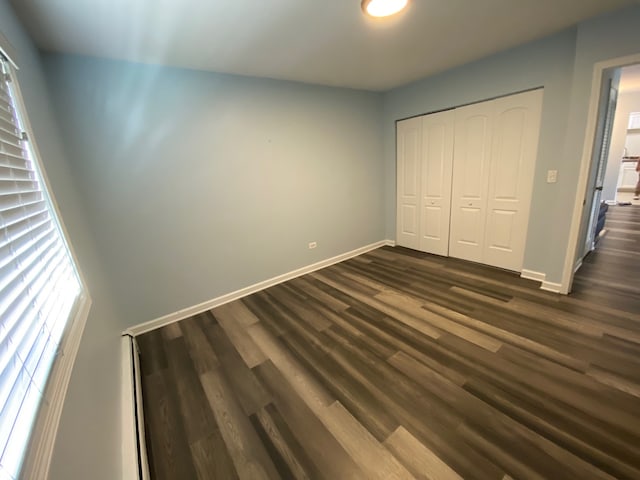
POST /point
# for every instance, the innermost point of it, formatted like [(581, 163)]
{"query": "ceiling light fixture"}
[(383, 8)]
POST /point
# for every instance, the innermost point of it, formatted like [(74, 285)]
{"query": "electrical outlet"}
[(312, 245), (552, 176)]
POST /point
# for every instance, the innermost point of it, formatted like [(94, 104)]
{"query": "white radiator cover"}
[(135, 465)]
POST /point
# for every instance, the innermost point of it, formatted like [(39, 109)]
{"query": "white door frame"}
[(585, 166)]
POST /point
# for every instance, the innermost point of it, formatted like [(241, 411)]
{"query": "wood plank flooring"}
[(399, 365), (609, 275)]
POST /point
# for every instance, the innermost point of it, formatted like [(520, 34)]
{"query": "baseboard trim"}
[(390, 243), (551, 287), (533, 275), (243, 292), (542, 277)]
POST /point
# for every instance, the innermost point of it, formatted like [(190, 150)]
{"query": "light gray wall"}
[(187, 185), (627, 102), (198, 184), (88, 440), (604, 38), (546, 63)]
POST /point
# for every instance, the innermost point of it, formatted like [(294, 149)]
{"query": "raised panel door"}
[(471, 158), (436, 171), (516, 129), (408, 178)]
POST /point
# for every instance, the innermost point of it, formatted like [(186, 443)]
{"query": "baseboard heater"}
[(135, 464)]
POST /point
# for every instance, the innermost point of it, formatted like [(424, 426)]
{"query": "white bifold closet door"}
[(425, 156), (471, 164), (494, 159), (465, 179), (514, 149), (408, 178), (436, 164)]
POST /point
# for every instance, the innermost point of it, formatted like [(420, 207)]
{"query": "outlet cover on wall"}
[(312, 245), (552, 176)]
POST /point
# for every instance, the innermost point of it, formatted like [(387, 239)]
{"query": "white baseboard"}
[(551, 287), (542, 277), (390, 243), (243, 292), (533, 275)]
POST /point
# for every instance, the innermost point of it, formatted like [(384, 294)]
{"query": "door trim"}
[(585, 165)]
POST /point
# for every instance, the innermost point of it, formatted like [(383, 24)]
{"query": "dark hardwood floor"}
[(610, 274), (398, 364)]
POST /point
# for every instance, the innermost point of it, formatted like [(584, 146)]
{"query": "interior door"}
[(471, 157), (516, 127), (604, 140), (436, 169), (408, 178)]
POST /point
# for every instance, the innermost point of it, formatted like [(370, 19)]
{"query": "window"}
[(40, 290)]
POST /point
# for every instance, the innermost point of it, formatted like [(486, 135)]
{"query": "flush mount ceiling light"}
[(383, 8)]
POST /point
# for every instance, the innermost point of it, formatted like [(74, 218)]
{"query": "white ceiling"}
[(327, 42)]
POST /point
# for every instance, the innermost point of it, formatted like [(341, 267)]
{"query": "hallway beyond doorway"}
[(609, 274)]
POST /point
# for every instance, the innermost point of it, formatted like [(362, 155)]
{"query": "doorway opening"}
[(621, 177), (610, 210)]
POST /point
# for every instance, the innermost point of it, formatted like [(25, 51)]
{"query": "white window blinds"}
[(39, 286)]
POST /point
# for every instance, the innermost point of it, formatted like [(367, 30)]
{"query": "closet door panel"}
[(436, 169), (473, 129), (408, 187), (514, 151)]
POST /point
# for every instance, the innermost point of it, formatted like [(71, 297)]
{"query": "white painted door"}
[(436, 171), (516, 127), (408, 178), (471, 163)]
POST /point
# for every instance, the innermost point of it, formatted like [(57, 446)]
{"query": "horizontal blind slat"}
[(39, 285), (29, 353), (8, 187), (22, 214), (12, 456), (12, 173), (14, 156), (12, 150), (7, 116), (14, 232), (11, 291), (5, 99), (18, 342), (10, 268), (51, 302), (16, 162), (10, 409), (9, 130), (22, 240), (11, 201), (14, 251)]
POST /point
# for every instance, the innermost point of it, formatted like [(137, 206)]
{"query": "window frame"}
[(39, 449)]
